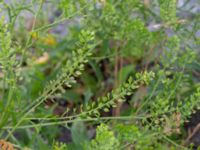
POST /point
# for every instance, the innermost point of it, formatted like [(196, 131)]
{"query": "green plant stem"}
[(29, 37), (152, 94), (71, 121), (59, 21), (174, 143)]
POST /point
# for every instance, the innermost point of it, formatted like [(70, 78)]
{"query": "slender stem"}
[(33, 27), (71, 121), (174, 143), (59, 21)]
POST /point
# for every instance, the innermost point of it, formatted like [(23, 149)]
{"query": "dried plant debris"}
[(4, 145)]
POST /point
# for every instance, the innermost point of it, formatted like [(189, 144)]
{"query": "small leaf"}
[(106, 109)]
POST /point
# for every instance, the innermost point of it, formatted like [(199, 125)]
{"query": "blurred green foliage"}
[(97, 74)]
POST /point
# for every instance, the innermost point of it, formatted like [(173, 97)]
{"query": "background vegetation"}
[(99, 74)]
